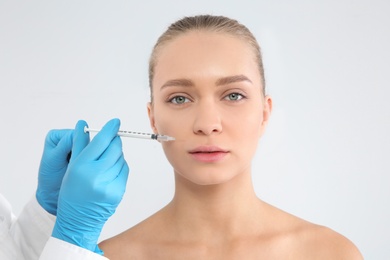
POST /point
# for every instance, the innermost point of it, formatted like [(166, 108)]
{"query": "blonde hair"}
[(220, 24)]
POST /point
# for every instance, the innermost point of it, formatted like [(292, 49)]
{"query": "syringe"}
[(136, 135)]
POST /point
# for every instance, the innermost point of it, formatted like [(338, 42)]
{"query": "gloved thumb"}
[(80, 139)]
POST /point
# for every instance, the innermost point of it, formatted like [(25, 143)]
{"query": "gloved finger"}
[(119, 183), (80, 139), (58, 144), (113, 152), (111, 173), (64, 145), (121, 180), (53, 137), (122, 177), (103, 139), (57, 148)]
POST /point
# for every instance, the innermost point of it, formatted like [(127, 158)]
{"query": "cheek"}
[(246, 123), (246, 131), (170, 123), (256, 122)]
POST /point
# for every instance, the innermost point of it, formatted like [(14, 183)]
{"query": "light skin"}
[(207, 94)]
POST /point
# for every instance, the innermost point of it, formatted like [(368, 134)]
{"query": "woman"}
[(208, 91)]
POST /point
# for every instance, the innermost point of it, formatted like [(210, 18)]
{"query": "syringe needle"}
[(133, 134)]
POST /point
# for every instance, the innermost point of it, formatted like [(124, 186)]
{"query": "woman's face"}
[(207, 94)]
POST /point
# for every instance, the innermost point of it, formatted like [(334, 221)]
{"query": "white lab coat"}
[(29, 236)]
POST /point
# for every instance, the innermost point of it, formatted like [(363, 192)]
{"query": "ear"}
[(267, 109), (151, 117)]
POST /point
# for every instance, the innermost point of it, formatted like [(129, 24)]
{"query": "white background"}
[(325, 156)]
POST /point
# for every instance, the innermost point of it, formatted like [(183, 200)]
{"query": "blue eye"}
[(234, 96), (179, 100)]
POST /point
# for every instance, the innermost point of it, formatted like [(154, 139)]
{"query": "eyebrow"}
[(178, 83), (219, 82), (232, 79)]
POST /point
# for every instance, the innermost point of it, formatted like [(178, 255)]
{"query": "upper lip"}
[(207, 149)]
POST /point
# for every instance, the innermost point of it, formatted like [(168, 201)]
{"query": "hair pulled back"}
[(219, 24)]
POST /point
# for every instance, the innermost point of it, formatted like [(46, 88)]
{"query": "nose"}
[(207, 120)]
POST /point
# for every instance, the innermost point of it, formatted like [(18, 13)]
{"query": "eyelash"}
[(175, 97), (240, 97)]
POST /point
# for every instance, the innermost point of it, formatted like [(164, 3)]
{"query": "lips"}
[(208, 153)]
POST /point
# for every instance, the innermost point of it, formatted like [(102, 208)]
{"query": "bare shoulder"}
[(121, 246), (305, 240), (324, 243), (132, 243)]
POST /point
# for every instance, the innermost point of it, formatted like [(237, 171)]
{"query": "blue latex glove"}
[(54, 163), (93, 186)]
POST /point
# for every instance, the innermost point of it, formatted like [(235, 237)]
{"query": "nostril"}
[(207, 121)]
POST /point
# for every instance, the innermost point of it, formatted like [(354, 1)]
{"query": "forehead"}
[(205, 54)]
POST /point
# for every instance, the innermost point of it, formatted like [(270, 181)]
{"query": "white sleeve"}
[(8, 247), (28, 237), (32, 229), (61, 250)]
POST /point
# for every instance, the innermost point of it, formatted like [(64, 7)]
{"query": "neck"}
[(216, 209)]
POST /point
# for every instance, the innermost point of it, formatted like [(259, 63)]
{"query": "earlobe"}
[(151, 117)]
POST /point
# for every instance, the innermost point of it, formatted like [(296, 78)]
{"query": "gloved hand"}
[(93, 186), (54, 163)]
